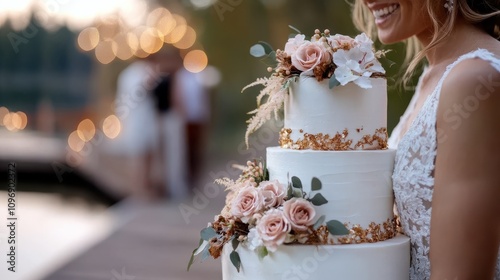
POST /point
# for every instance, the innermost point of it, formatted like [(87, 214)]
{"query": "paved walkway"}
[(155, 244)]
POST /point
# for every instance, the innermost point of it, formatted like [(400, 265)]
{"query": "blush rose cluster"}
[(325, 56), (264, 214), (271, 219), (338, 58)]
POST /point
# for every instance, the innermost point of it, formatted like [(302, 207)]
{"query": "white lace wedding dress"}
[(413, 174)]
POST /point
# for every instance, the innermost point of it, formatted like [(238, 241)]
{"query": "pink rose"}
[(273, 229), (341, 42), (294, 43), (246, 203), (272, 193), (310, 55), (300, 213)]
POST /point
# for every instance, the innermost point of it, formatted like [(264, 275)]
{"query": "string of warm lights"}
[(114, 38)]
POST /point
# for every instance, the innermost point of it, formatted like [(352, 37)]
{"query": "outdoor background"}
[(78, 213)]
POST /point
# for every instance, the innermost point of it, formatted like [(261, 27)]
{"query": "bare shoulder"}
[(471, 78), (470, 100)]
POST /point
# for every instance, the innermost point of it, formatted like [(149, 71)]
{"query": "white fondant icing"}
[(357, 184), (388, 260), (315, 108)]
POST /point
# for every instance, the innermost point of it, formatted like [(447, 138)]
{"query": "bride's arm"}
[(465, 221)]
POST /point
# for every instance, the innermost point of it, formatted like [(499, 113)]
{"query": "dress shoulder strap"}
[(479, 53)]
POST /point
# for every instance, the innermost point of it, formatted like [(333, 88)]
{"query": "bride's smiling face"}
[(398, 20)]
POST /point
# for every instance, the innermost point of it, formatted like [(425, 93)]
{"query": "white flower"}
[(294, 43), (253, 239), (356, 65)]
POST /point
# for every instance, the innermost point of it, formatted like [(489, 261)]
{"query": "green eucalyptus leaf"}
[(318, 200), (333, 82), (191, 260), (235, 260), (315, 184), (205, 253), (297, 193), (267, 47), (336, 228), (319, 222), (208, 233), (289, 193), (286, 84), (262, 252), (296, 182), (269, 59), (257, 50), (235, 242)]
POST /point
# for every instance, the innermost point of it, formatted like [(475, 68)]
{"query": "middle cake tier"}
[(357, 184)]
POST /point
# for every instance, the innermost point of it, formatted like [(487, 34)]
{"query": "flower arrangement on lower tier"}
[(263, 215), (338, 58)]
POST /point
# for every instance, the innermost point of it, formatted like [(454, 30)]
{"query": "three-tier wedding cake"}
[(322, 205)]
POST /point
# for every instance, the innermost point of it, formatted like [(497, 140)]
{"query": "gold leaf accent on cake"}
[(357, 234), (379, 137), (339, 142)]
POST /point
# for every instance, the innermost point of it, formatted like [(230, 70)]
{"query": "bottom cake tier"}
[(387, 260)]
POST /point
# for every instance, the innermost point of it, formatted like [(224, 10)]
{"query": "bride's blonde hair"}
[(482, 13)]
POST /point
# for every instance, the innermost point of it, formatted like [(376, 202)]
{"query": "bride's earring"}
[(449, 5)]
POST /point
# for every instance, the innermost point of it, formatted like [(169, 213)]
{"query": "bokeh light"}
[(114, 36), (195, 61), (3, 111), (111, 126), (86, 130), (75, 142), (150, 41), (7, 121), (209, 77), (124, 50), (106, 51), (132, 41), (88, 38), (109, 28), (24, 120), (187, 40), (165, 25), (162, 20), (13, 121), (178, 32)]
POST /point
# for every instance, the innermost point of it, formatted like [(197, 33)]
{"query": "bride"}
[(448, 151)]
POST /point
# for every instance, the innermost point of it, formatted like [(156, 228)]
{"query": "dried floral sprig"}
[(276, 89)]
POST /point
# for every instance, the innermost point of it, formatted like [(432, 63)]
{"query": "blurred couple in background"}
[(164, 112)]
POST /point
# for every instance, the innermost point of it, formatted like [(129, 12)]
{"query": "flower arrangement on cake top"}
[(263, 215), (338, 58)]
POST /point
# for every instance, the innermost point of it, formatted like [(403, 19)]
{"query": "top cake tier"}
[(338, 119)]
